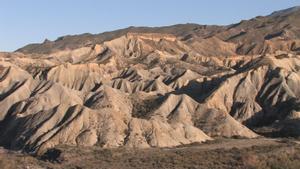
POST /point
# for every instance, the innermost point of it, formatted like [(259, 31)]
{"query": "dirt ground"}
[(220, 153)]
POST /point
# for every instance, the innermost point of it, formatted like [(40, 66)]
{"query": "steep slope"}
[(154, 87)]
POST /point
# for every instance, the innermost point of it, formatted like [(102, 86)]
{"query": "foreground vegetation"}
[(236, 153)]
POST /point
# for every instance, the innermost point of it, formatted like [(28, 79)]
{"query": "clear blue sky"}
[(31, 21)]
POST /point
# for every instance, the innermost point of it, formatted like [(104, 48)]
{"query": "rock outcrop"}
[(153, 87)]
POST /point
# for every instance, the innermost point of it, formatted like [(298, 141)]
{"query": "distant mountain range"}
[(263, 34)]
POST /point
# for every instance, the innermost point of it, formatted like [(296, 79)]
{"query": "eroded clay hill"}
[(154, 87)]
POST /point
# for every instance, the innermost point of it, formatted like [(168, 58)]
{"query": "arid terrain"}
[(181, 96), (220, 153)]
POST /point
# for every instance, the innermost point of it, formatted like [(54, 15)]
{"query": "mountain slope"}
[(278, 31), (154, 87)]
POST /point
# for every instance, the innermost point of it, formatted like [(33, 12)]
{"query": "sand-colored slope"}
[(158, 87)]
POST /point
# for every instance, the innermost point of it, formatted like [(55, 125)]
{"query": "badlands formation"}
[(154, 87)]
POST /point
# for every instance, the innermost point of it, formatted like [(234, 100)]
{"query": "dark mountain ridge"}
[(250, 36)]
